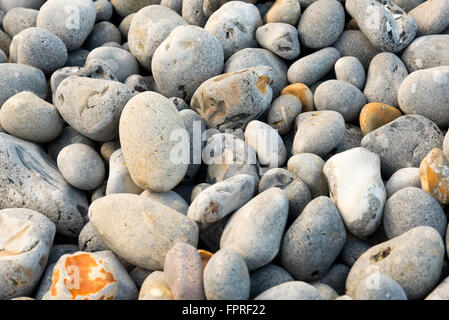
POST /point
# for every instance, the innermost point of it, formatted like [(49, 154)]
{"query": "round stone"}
[(350, 69)]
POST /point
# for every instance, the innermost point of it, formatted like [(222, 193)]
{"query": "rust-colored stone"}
[(303, 93), (205, 257), (434, 175), (375, 115)]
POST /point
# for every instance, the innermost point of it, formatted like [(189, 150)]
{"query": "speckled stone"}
[(267, 277), (19, 19), (434, 175), (350, 69), (427, 52)]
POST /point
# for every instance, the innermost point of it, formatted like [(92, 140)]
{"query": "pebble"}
[(183, 271), (256, 57), (67, 137), (440, 292), (226, 277), (357, 172), (81, 166), (27, 116), (403, 178), (102, 32), (425, 92), (222, 108), (377, 286), (326, 292), (385, 74), (431, 17), (400, 28), (104, 10), (336, 276), (68, 27), (434, 175), (303, 93), (311, 68), (90, 240), (30, 179), (222, 198), (353, 249), (351, 139), (375, 115), (7, 5), (155, 288), (318, 132), (77, 58), (3, 57), (266, 278), (404, 142), (322, 235), (341, 97), (27, 237), (144, 230), (291, 290), (321, 24), (149, 28), (413, 259), (19, 19), (255, 230), (309, 168), (193, 54), (192, 12), (350, 70), (234, 25), (280, 38), (121, 62), (125, 25), (283, 112), (284, 11), (108, 148), (147, 124), (412, 207), (138, 84), (427, 52), (298, 193), (170, 199)]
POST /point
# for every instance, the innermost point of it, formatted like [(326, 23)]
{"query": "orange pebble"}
[(205, 257), (375, 115), (303, 93), (434, 175)]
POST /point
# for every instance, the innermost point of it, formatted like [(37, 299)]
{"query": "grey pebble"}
[(138, 83), (175, 5), (280, 38), (7, 5), (96, 69), (102, 33), (353, 249), (108, 148), (336, 276), (350, 69), (18, 19), (427, 52), (192, 12), (104, 10), (283, 112), (267, 277), (77, 58), (179, 103), (139, 275), (403, 178), (377, 286), (292, 290), (5, 42), (90, 240), (125, 25), (58, 250), (351, 139), (408, 5), (127, 7), (3, 57)]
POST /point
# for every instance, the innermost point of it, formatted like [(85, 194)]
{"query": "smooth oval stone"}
[(122, 63), (377, 286), (127, 7), (147, 125), (125, 25), (197, 190), (255, 230), (303, 93), (221, 199), (7, 5), (15, 78), (266, 278), (25, 242), (92, 106), (52, 53), (412, 207), (413, 259), (318, 132), (170, 199), (283, 112), (441, 292), (403, 178), (322, 235), (326, 292), (335, 277), (232, 100), (29, 179), (29, 117), (385, 74), (183, 271), (426, 92), (355, 43), (267, 143), (193, 55), (352, 250), (291, 290), (77, 58), (434, 175), (256, 57), (234, 25), (371, 17), (104, 10), (144, 230), (81, 166), (226, 156), (285, 11), (403, 142), (19, 19), (192, 12), (321, 24), (350, 70), (75, 21), (427, 52), (356, 187), (280, 38), (226, 277), (155, 287), (148, 29), (309, 168), (375, 115), (103, 32), (431, 17), (67, 137), (311, 68), (298, 193), (339, 96)]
